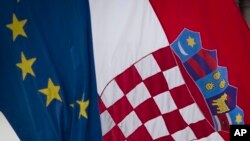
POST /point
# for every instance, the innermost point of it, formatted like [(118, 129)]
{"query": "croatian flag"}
[(158, 80)]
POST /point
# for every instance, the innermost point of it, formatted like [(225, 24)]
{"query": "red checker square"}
[(174, 121), (140, 134), (156, 84), (166, 138), (147, 110), (181, 96), (114, 134), (128, 79), (204, 125), (102, 107), (164, 58), (120, 109)]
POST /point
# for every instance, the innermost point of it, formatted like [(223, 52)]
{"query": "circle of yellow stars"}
[(52, 91)]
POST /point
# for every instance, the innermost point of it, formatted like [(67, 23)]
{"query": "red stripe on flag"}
[(208, 58), (196, 67)]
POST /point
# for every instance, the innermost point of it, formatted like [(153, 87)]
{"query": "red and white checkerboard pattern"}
[(150, 101)]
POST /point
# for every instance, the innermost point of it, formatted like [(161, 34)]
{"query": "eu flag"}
[(47, 79)]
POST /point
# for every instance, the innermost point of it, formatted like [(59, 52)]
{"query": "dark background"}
[(244, 6)]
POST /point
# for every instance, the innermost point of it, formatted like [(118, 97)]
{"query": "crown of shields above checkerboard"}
[(212, 80)]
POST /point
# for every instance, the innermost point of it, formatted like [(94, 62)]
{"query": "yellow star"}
[(52, 92), (17, 27), (26, 65), (83, 106), (238, 118), (191, 41)]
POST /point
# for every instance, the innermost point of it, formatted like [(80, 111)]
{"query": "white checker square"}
[(165, 102), (184, 135), (129, 124), (147, 67), (107, 122), (111, 94), (212, 137), (191, 114), (157, 128), (138, 95), (173, 77)]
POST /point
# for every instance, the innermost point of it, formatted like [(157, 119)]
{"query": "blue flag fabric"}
[(47, 80)]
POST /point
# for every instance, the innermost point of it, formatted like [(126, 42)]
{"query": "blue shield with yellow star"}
[(186, 44)]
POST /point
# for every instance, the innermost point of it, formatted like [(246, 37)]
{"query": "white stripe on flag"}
[(123, 32)]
